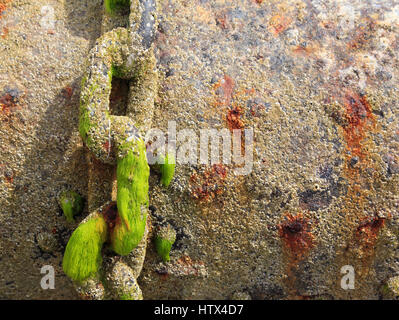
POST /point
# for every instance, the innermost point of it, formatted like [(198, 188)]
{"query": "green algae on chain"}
[(71, 204), (164, 239), (132, 175), (167, 170), (111, 6), (113, 56), (94, 121), (165, 166), (82, 257), (115, 139)]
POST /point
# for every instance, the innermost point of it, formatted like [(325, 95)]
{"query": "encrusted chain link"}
[(125, 53)]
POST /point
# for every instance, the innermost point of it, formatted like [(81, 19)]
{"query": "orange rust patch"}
[(368, 231), (222, 21), (364, 242), (9, 177), (279, 23), (227, 85), (209, 184), (188, 266), (360, 118), (234, 118), (3, 6), (364, 34), (67, 92), (357, 121), (4, 33), (107, 146), (296, 234), (163, 274), (304, 51), (7, 104)]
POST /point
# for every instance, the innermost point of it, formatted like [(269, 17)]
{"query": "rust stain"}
[(363, 243), (208, 185), (163, 274), (9, 177), (222, 21), (4, 33), (359, 119), (357, 122), (368, 231), (295, 231), (107, 146), (230, 103), (3, 6), (227, 86), (110, 214), (229, 100), (296, 234), (8, 103), (363, 34), (233, 118), (305, 51), (279, 23), (67, 92), (188, 266)]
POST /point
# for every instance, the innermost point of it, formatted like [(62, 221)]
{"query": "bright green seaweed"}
[(113, 5), (82, 258), (164, 239), (71, 204), (132, 198), (167, 170)]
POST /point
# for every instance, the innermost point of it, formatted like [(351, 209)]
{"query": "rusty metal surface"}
[(316, 80)]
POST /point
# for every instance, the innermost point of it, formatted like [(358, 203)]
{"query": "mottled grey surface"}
[(316, 80)]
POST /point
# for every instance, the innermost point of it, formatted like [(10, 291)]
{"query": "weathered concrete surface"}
[(316, 80)]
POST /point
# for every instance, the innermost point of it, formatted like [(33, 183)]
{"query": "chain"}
[(125, 53)]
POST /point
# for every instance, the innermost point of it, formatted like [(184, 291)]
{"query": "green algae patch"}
[(111, 6), (167, 170), (132, 198), (71, 204), (82, 258), (164, 239)]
